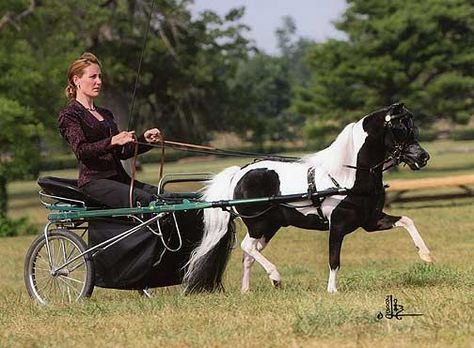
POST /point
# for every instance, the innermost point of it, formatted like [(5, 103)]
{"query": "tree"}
[(264, 89), (183, 86), (18, 150), (187, 62), (19, 129), (265, 84), (397, 50)]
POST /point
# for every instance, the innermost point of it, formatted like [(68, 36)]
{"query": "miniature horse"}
[(355, 160)]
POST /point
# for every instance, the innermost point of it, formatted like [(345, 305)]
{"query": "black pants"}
[(115, 192)]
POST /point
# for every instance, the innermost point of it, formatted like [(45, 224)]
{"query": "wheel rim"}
[(56, 287)]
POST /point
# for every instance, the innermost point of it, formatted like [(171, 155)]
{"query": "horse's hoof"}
[(332, 291), (276, 284), (244, 291), (425, 257)]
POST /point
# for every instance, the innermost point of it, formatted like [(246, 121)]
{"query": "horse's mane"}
[(343, 151)]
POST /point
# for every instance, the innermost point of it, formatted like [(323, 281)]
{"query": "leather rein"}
[(197, 148)]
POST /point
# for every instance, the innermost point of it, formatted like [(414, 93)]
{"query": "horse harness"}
[(395, 155), (316, 200)]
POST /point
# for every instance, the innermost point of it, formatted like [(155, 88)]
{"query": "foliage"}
[(17, 139), (15, 227), (429, 135), (18, 155), (182, 88), (321, 133), (264, 86), (417, 52), (463, 134), (186, 65)]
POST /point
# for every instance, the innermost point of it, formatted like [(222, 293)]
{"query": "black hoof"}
[(276, 284)]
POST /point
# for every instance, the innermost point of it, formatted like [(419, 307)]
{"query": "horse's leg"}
[(386, 222), (343, 221), (247, 262), (335, 244), (250, 246)]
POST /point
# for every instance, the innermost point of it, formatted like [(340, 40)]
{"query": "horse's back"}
[(292, 176)]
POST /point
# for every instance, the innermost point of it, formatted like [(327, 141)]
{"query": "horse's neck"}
[(341, 153), (371, 152), (352, 148), (369, 170)]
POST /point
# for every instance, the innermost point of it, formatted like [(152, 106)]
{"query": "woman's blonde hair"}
[(77, 68)]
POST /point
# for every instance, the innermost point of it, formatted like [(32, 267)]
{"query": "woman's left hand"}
[(152, 135)]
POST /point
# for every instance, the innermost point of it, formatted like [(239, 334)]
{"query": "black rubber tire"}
[(40, 282)]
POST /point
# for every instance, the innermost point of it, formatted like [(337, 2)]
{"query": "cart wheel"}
[(45, 281)]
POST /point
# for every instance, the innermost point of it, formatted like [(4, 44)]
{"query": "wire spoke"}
[(42, 269), (47, 283), (72, 279), (41, 259), (42, 277), (68, 283), (73, 268), (69, 286)]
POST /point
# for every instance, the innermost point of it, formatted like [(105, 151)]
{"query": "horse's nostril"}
[(424, 157)]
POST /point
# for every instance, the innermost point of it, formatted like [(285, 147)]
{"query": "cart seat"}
[(66, 190)]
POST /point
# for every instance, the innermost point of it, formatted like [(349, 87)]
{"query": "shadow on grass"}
[(425, 274), (326, 320), (418, 275)]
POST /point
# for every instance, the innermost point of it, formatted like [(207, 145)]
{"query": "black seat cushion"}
[(66, 189)]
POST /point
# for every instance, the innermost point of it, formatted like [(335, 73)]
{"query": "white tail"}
[(216, 222)]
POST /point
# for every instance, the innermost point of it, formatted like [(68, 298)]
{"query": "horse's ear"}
[(396, 108)]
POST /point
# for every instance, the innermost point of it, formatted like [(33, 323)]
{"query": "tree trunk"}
[(3, 196)]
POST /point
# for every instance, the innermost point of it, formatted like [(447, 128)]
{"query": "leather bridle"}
[(395, 155)]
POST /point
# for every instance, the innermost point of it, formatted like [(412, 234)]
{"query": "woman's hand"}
[(123, 138), (152, 135)]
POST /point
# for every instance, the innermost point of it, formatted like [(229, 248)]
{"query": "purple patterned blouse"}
[(90, 139)]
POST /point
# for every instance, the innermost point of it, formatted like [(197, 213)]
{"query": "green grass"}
[(301, 314)]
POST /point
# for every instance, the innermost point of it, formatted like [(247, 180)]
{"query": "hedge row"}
[(463, 134)]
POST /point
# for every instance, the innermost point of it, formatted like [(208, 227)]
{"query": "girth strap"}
[(317, 201)]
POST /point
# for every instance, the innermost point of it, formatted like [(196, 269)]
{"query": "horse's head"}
[(401, 138)]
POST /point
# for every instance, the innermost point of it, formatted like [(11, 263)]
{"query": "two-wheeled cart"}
[(85, 244)]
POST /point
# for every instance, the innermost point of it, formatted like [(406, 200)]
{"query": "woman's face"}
[(90, 83)]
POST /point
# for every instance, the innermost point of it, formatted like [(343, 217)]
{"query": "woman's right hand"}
[(123, 138)]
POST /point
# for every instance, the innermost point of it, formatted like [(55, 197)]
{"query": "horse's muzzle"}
[(416, 157)]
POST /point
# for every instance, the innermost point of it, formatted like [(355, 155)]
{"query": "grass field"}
[(301, 314)]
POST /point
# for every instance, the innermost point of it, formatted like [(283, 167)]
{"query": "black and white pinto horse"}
[(355, 160)]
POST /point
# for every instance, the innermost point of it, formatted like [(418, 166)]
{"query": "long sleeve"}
[(71, 130), (128, 150)]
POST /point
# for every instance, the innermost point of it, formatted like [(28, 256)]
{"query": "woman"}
[(92, 133)]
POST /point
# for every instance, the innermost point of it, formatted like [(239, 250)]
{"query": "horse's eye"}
[(400, 132)]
